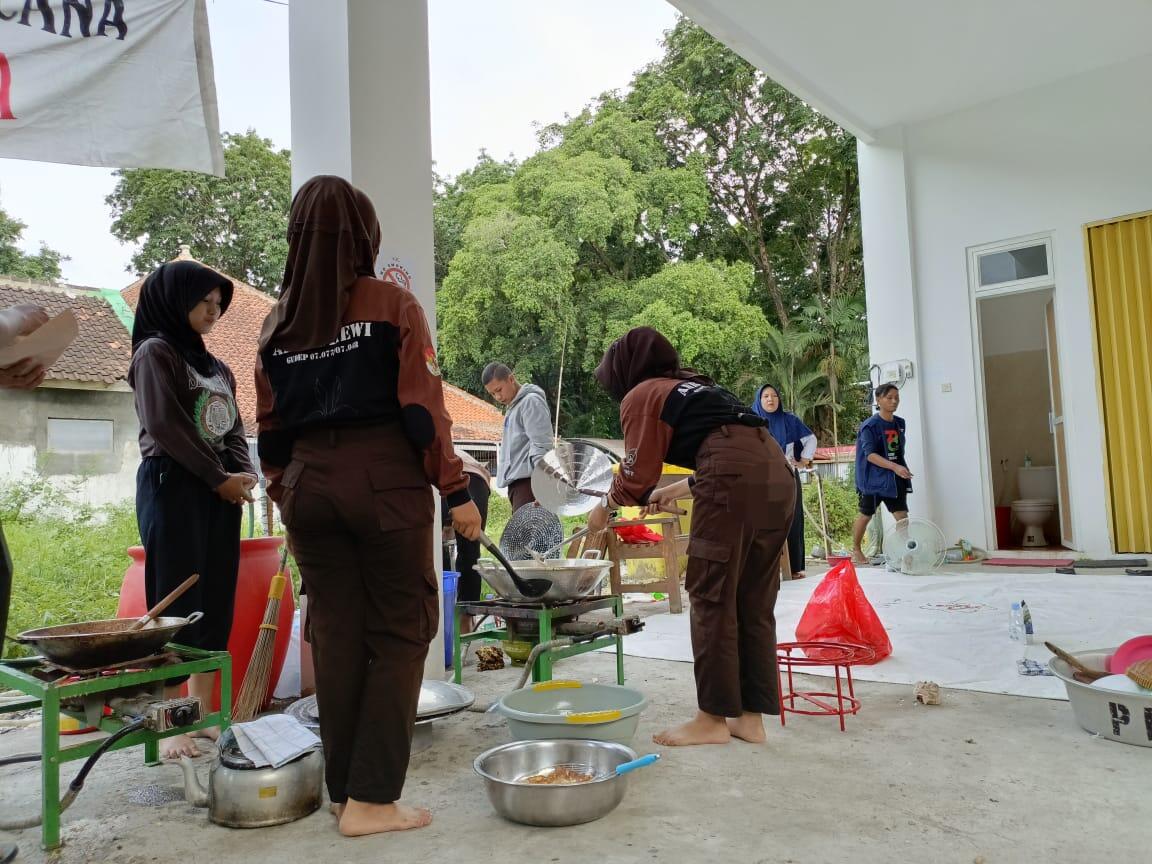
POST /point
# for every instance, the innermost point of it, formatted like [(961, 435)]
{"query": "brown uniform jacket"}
[(380, 368), (666, 420)]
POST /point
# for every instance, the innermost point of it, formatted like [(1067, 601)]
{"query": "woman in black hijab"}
[(195, 471)]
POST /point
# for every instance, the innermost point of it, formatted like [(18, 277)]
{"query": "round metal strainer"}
[(532, 528)]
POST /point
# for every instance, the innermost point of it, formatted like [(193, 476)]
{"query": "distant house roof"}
[(473, 419), (234, 339), (101, 351), (843, 453)]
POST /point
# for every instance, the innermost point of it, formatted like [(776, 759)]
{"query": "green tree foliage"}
[(708, 202), (458, 200), (236, 223), (44, 265)]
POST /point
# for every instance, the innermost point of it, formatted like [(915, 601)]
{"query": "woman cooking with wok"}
[(743, 495)]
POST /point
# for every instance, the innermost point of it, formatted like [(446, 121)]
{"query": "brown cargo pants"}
[(742, 509), (359, 513)]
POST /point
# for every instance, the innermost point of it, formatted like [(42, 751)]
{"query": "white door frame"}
[(976, 293)]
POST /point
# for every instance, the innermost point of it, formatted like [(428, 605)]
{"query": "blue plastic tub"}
[(449, 594)]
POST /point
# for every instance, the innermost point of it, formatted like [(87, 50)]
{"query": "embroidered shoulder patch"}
[(629, 461), (430, 361)]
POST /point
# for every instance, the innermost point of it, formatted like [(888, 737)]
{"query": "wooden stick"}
[(141, 622)]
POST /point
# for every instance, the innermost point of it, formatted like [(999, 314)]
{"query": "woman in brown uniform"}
[(353, 434), (743, 495)]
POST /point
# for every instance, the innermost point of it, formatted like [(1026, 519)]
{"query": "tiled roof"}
[(234, 339), (473, 419), (101, 351), (843, 453)]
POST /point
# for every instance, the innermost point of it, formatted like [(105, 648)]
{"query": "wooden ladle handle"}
[(165, 603), (1086, 671)]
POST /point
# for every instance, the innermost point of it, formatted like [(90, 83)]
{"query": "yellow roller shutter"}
[(1120, 261)]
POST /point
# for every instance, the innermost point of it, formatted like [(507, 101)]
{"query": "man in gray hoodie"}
[(527, 431)]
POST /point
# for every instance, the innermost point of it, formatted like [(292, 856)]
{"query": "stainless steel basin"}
[(505, 768)]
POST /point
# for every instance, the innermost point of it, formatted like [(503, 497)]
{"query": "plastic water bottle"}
[(1026, 623), (1016, 623)]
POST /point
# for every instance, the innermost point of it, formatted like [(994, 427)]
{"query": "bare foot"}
[(360, 818), (859, 559), (748, 727), (702, 729), (212, 733), (799, 575), (177, 746), (336, 810)]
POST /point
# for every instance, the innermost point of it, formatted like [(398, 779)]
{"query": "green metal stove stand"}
[(47, 695), (544, 615)]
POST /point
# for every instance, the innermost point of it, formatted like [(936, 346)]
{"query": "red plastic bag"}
[(838, 611)]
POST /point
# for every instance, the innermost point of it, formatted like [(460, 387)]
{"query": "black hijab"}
[(169, 293), (638, 355)]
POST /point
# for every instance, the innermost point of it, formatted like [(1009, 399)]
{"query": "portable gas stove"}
[(110, 699), (537, 623)]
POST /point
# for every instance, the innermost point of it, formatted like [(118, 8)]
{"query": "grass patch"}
[(67, 567)]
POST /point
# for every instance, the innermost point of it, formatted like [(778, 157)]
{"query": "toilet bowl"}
[(1031, 514), (1036, 503)]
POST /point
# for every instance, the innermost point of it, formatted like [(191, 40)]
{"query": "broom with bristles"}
[(254, 690)]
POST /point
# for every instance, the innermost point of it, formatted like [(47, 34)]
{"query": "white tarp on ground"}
[(952, 627), (118, 83)]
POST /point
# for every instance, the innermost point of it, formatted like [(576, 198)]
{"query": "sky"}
[(499, 69)]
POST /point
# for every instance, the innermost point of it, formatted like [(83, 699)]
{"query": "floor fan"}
[(914, 546)]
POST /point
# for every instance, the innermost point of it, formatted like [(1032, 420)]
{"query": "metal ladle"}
[(527, 587), (576, 535)]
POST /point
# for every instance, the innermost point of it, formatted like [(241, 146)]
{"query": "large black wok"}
[(92, 644)]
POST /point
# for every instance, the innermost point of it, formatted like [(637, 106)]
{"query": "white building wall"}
[(1046, 161), (19, 464)]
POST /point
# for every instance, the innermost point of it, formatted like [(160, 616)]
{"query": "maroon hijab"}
[(333, 240), (638, 355)]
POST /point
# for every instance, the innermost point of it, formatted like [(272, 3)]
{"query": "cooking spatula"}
[(142, 622), (527, 587)]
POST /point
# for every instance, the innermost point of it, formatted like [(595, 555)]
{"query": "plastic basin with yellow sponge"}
[(571, 709)]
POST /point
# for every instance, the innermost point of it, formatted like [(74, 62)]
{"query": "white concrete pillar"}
[(360, 109), (890, 290)]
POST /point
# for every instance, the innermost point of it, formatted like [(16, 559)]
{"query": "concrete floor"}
[(980, 778)]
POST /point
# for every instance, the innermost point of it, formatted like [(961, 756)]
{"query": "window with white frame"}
[(1013, 265), (70, 435)]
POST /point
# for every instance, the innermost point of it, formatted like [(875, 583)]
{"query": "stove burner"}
[(46, 670)]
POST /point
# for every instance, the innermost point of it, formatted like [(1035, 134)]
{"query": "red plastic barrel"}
[(259, 558)]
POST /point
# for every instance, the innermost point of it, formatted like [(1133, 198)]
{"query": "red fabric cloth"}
[(640, 534)]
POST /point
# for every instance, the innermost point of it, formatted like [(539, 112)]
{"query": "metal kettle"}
[(240, 795)]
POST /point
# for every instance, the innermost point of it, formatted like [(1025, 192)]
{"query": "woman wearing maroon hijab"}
[(353, 435), (743, 496)]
